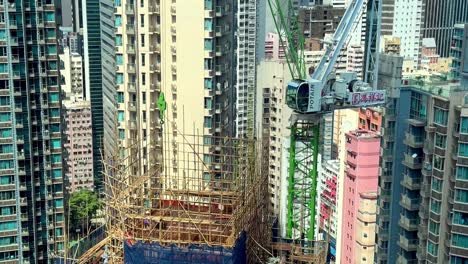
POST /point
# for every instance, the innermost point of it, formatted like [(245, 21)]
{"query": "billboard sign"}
[(362, 99)]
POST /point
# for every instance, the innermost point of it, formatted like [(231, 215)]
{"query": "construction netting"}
[(148, 253)]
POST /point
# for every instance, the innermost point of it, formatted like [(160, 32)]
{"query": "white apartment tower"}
[(246, 66), (184, 51)]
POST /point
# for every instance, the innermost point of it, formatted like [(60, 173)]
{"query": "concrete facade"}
[(361, 175), (78, 135)]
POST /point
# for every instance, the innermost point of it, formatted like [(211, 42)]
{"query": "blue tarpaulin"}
[(154, 253)]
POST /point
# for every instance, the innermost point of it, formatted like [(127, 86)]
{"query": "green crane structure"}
[(311, 97)]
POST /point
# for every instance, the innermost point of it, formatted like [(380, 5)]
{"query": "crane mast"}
[(310, 98)]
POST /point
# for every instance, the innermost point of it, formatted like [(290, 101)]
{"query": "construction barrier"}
[(149, 253)]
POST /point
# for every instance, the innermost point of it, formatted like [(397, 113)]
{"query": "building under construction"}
[(213, 210)]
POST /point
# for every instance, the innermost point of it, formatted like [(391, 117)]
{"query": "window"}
[(118, 40), (458, 260), (435, 206), (53, 97), (120, 97), (206, 140), (434, 227), (440, 140), (460, 218), (5, 133), (54, 112), (7, 226), (121, 116), (56, 173), (143, 78), (3, 34), (440, 116), (208, 24), (59, 232), (208, 84), (5, 117), (119, 59), (3, 68), (5, 241), (118, 3), (464, 125), (461, 195), (118, 20), (208, 44), (439, 162), (142, 37), (59, 217), (119, 78), (143, 59), (459, 240), (49, 17), (462, 173), (208, 103), (10, 210), (55, 143), (121, 134), (436, 185), (432, 248), (143, 97), (463, 150), (142, 20), (142, 3), (4, 100), (8, 195), (207, 159), (56, 158), (58, 203), (5, 180), (208, 122)]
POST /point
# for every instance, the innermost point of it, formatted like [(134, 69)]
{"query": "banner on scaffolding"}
[(149, 253)]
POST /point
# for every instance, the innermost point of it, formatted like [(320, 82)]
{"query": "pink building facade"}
[(78, 146), (273, 48), (361, 176)]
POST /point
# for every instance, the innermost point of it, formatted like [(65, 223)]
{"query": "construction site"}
[(195, 211)]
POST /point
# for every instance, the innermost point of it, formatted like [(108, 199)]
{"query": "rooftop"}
[(429, 43), (363, 134), (435, 84)]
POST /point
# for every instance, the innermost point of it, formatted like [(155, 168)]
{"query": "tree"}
[(84, 205)]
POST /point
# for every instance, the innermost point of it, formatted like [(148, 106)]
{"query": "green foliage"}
[(83, 207)]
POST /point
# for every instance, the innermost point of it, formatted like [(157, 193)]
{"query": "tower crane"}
[(310, 96)]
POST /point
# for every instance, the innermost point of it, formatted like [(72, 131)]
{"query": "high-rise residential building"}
[(459, 54), (246, 65), (390, 75), (184, 51), (32, 193), (327, 205), (390, 45), (78, 136), (274, 50), (96, 19), (72, 73), (360, 179), (403, 19), (365, 227), (422, 166), (370, 119), (272, 116), (439, 19), (343, 121), (355, 60)]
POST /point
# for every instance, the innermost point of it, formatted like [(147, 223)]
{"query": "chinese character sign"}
[(368, 98)]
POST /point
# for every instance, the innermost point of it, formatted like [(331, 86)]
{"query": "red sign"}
[(368, 98)]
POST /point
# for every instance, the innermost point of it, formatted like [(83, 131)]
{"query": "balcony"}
[(412, 162), (428, 147), (411, 183), (410, 203), (155, 29), (155, 68), (154, 9), (131, 87), (130, 30), (131, 67), (408, 244), (129, 10), (422, 232), (130, 49), (403, 260), (386, 154), (408, 224), (414, 141), (132, 106), (383, 233)]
